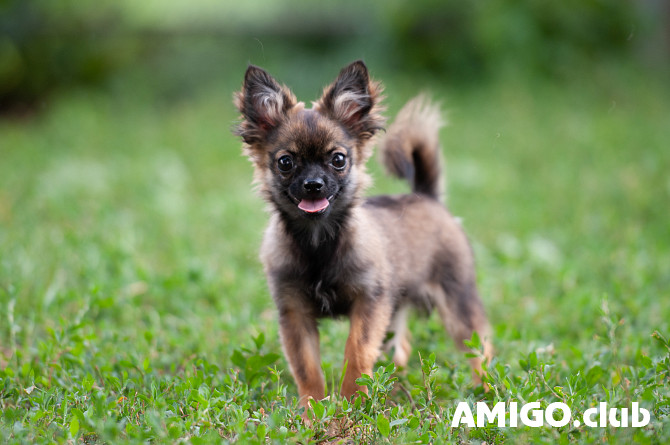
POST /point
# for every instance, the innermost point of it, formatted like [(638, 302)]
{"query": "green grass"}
[(133, 306)]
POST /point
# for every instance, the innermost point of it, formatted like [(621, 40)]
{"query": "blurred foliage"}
[(547, 36), (474, 38), (46, 45), (437, 36)]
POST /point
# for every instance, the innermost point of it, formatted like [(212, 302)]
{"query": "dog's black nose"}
[(313, 184)]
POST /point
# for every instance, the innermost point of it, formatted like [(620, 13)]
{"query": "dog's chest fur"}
[(332, 275), (328, 277)]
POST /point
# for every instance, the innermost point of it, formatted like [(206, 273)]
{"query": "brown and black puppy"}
[(328, 251)]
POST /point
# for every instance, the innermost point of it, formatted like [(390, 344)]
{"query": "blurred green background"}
[(129, 229), (118, 171), (48, 46), (117, 165)]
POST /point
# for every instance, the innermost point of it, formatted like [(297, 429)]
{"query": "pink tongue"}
[(313, 205)]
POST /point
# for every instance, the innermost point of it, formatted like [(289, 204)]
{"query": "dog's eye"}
[(339, 161), (285, 164)]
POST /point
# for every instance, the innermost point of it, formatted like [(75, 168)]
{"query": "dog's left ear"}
[(353, 101)]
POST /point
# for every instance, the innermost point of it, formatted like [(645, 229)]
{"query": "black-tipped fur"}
[(411, 148)]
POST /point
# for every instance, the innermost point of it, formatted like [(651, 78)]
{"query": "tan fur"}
[(367, 259)]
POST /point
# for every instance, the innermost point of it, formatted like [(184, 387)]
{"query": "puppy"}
[(329, 251)]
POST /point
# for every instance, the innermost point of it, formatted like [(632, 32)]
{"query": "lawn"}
[(133, 307)]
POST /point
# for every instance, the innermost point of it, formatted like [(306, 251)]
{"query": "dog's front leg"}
[(300, 339), (369, 322)]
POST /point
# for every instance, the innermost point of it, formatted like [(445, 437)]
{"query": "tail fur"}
[(411, 148)]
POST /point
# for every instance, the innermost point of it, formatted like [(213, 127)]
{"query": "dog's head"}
[(310, 163)]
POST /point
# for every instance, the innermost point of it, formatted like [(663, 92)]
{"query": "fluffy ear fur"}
[(263, 104), (353, 101)]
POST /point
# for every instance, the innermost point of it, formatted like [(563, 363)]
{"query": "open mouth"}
[(315, 206)]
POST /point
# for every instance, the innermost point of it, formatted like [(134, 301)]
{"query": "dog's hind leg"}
[(399, 343), (462, 314)]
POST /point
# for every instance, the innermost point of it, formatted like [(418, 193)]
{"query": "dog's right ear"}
[(353, 101), (263, 104)]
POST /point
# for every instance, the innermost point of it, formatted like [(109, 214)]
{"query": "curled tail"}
[(411, 148)]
